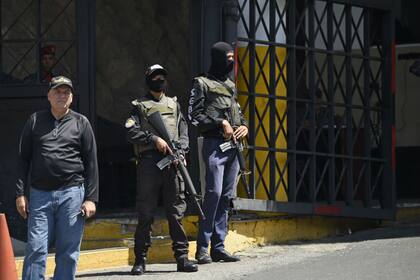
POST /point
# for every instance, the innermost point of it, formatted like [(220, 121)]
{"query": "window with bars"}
[(37, 40)]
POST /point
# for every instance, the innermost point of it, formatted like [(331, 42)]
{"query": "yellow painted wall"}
[(262, 83)]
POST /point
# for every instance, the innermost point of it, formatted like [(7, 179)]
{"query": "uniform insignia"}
[(62, 80), (129, 123)]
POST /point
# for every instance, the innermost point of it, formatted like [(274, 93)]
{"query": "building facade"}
[(314, 77)]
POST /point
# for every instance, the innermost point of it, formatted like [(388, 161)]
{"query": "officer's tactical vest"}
[(220, 101), (168, 109)]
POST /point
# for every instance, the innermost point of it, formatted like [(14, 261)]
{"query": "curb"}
[(117, 234), (242, 235)]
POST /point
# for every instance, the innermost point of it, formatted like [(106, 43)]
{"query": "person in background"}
[(47, 62)]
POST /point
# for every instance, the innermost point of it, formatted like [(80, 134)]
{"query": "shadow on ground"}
[(404, 230)]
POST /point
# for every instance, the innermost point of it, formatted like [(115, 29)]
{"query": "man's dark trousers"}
[(221, 173), (151, 182)]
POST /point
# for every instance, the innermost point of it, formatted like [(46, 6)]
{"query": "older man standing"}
[(58, 150)]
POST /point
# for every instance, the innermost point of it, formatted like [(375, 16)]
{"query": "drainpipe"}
[(230, 18)]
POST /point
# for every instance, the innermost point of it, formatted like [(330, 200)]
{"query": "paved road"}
[(383, 253)]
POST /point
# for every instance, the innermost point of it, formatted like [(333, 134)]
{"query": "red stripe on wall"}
[(327, 210)]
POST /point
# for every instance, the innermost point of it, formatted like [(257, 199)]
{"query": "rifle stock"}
[(155, 119)]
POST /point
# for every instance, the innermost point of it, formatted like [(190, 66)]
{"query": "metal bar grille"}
[(313, 76)]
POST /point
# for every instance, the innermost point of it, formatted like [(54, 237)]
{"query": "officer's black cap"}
[(154, 70)]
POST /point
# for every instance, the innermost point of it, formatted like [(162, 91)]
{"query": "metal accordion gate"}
[(315, 80)]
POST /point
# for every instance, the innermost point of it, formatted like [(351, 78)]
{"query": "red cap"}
[(48, 49)]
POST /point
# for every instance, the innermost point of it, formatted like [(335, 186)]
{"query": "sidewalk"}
[(381, 253), (108, 243)]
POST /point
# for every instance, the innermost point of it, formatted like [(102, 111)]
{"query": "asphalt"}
[(382, 253)]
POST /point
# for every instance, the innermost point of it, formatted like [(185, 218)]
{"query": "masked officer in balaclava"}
[(215, 111), (151, 181)]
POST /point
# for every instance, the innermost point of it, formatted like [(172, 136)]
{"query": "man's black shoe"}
[(138, 268), (202, 257), (223, 255), (185, 265)]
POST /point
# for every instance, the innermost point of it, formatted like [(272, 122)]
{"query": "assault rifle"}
[(155, 120), (238, 146)]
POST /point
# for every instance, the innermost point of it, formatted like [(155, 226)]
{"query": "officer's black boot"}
[(139, 267), (202, 256), (185, 265), (223, 255)]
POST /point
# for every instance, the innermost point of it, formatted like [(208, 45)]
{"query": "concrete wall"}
[(130, 36)]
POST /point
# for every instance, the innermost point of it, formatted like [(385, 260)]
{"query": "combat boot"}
[(223, 255), (202, 256), (185, 265), (139, 267)]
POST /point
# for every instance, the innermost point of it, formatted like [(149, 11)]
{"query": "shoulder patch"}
[(129, 123), (230, 83)]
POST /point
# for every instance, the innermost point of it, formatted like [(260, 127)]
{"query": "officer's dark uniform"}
[(212, 100), (151, 181)]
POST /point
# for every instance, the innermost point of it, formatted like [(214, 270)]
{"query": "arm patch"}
[(129, 123)]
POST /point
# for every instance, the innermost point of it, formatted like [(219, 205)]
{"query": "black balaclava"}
[(156, 85), (220, 66)]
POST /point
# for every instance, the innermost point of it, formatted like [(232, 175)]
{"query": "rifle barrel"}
[(243, 171), (190, 188), (155, 119)]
